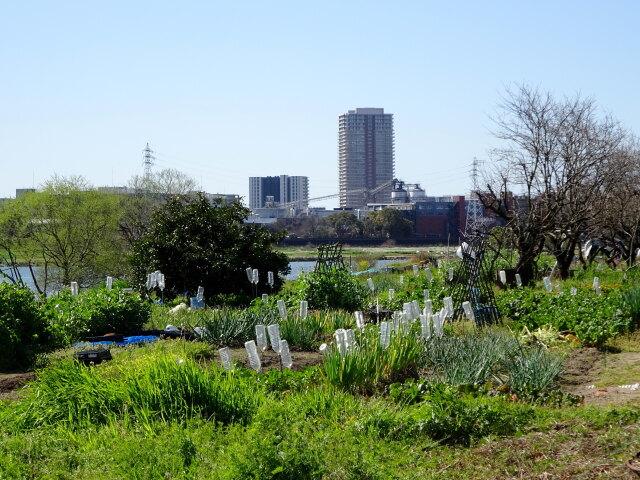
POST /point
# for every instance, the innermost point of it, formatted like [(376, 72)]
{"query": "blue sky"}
[(227, 90)]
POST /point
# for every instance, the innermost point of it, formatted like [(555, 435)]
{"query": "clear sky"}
[(224, 90)]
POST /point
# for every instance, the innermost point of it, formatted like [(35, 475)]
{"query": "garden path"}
[(599, 376)]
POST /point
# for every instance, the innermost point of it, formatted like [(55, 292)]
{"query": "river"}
[(297, 267)]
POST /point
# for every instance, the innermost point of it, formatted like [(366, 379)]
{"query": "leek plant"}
[(367, 365), (469, 359), (631, 302), (302, 333), (533, 369), (229, 327)]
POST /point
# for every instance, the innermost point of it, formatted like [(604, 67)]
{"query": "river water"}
[(297, 267), (26, 276)]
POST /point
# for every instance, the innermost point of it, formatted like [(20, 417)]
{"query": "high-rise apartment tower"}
[(366, 156), (278, 190)]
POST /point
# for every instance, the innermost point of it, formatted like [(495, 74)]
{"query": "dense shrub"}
[(331, 289), (23, 327), (592, 318), (448, 414), (96, 312)]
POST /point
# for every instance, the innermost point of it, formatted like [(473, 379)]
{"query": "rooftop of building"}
[(368, 111)]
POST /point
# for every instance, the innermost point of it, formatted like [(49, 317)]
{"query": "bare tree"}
[(618, 228), (588, 147), (553, 164), (148, 193), (165, 183)]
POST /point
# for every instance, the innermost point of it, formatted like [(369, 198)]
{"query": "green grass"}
[(147, 415), (168, 411), (342, 439), (629, 342)]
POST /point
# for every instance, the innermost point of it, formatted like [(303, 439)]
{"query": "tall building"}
[(366, 156), (276, 191)]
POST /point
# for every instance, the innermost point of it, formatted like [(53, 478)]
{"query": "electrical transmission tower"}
[(148, 158), (475, 212)]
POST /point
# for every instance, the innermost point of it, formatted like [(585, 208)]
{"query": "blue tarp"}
[(372, 270), (127, 341)]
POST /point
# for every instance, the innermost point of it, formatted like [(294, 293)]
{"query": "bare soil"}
[(271, 359), (598, 376), (10, 384)]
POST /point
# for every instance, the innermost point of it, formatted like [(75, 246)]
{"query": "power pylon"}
[(475, 222), (148, 158)]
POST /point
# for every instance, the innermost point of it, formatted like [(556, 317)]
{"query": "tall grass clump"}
[(302, 333), (147, 391), (331, 320), (69, 394), (306, 334), (367, 365), (178, 390)]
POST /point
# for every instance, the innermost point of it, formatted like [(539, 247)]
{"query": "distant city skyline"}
[(225, 90)]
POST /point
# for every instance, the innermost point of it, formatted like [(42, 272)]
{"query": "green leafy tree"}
[(68, 226), (344, 224), (198, 243), (388, 222)]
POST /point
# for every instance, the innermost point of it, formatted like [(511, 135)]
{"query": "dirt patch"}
[(602, 379), (581, 367), (271, 359), (10, 384), (13, 381)]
